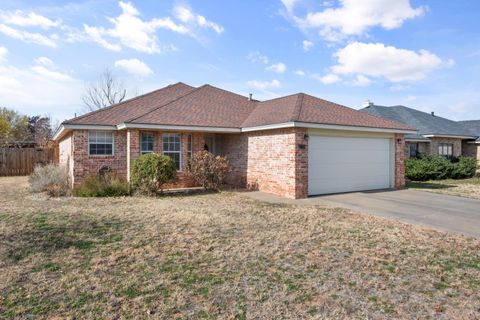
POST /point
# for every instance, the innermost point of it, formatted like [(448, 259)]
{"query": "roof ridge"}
[(125, 101), (298, 107), (166, 104), (228, 91), (282, 97)]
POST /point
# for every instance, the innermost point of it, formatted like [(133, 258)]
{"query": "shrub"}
[(106, 185), (428, 167), (52, 179), (207, 170), (151, 171), (465, 167)]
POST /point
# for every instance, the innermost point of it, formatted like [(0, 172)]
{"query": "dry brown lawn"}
[(469, 188), (223, 256)]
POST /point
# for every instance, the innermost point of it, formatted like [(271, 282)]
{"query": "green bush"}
[(428, 167), (207, 170), (107, 185), (151, 171), (52, 179), (465, 167)]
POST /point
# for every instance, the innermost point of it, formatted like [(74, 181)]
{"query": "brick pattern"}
[(85, 164), (274, 161), (457, 145), (399, 141)]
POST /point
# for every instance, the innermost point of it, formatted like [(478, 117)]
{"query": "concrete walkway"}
[(443, 212)]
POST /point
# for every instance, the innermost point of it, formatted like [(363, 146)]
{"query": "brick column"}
[(399, 160), (133, 148), (301, 164)]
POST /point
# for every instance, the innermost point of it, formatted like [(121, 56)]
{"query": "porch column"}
[(133, 148), (399, 141)]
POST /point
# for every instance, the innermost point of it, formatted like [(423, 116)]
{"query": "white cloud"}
[(54, 75), (355, 17), (300, 72), (186, 15), (134, 67), (328, 78), (307, 45), (289, 4), (277, 67), (129, 30), (30, 19), (28, 36), (378, 60), (44, 61), (264, 85), (3, 54), (361, 81), (39, 92), (256, 56)]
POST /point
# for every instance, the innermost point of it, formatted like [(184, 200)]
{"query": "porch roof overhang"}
[(448, 136), (65, 128)]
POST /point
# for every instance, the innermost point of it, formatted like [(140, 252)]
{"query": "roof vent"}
[(367, 104), (250, 97), (433, 113)]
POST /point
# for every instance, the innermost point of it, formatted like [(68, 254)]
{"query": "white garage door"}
[(339, 164)]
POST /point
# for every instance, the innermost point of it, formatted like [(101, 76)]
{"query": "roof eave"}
[(147, 126), (448, 136), (325, 126), (65, 128)]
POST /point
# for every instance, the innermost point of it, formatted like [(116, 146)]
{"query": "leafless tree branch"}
[(106, 91)]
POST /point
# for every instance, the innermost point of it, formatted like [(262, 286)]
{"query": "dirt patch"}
[(223, 256)]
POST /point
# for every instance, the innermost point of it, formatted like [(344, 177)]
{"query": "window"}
[(190, 146), (146, 145), (413, 150), (445, 149), (100, 143), (172, 147)]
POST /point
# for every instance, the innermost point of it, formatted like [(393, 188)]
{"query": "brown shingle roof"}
[(205, 106), (134, 107), (209, 106)]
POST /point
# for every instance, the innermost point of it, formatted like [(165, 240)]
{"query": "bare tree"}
[(106, 91)]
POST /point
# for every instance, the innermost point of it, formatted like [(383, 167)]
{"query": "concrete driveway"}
[(448, 213)]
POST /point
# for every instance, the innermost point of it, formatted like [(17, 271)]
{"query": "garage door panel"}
[(340, 164)]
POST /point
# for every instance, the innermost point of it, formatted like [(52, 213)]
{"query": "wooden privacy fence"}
[(21, 161)]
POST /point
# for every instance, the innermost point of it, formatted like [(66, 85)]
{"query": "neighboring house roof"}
[(473, 126), (426, 123), (208, 106)]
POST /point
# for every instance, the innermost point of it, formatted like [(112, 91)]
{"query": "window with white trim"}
[(100, 143), (445, 149), (146, 143), (172, 147)]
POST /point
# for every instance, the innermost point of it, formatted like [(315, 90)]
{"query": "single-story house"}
[(293, 146), (435, 135)]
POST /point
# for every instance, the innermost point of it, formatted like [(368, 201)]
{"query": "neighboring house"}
[(435, 135), (472, 149), (293, 146)]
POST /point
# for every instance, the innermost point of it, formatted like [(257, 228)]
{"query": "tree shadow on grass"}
[(48, 233), (428, 185)]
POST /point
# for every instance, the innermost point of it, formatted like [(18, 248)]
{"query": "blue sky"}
[(422, 54)]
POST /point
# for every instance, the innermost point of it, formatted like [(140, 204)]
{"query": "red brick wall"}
[(85, 164), (399, 142), (280, 166)]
